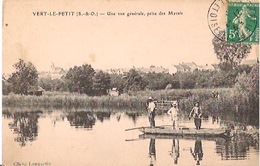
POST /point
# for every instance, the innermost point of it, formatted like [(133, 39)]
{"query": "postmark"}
[(234, 21), (217, 20)]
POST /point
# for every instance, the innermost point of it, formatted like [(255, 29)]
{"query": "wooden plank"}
[(191, 131), (187, 137)]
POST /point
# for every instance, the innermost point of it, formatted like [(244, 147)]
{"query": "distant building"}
[(186, 67), (121, 71), (153, 69), (191, 67), (37, 91), (55, 73), (206, 67), (113, 92)]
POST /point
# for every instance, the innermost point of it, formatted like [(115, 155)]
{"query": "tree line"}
[(86, 80)]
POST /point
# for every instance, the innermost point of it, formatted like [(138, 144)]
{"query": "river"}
[(78, 137)]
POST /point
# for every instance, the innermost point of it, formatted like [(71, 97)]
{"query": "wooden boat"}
[(184, 131), (185, 137)]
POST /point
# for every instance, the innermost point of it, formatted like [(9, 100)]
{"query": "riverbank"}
[(135, 100)]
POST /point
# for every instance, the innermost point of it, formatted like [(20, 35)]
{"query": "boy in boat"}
[(196, 114), (151, 112), (173, 112)]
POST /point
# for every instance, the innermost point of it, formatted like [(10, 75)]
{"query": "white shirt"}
[(151, 107), (173, 112)]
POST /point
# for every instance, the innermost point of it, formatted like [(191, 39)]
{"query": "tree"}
[(133, 81), (117, 82), (187, 80), (101, 83), (157, 81), (247, 93), (79, 79), (230, 54), (6, 86), (45, 83), (23, 78), (51, 84)]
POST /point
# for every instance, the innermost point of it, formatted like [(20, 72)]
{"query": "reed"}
[(73, 101), (227, 100)]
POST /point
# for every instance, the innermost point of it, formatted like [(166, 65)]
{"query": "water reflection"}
[(56, 116), (6, 113), (81, 119), (103, 115), (236, 148), (118, 116), (25, 126), (152, 151), (133, 115), (197, 152), (175, 151)]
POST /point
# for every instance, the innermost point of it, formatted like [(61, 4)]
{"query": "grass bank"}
[(134, 100)]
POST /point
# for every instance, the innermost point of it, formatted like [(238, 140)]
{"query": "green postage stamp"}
[(243, 22)]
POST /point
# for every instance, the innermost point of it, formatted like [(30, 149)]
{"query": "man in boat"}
[(151, 112), (196, 114), (173, 112)]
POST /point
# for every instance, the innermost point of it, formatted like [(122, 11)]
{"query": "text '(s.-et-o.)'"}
[(108, 13)]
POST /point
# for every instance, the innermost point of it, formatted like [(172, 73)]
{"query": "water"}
[(66, 138)]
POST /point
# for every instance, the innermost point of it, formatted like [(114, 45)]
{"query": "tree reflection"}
[(152, 151), (236, 148), (175, 151), (103, 115), (81, 119), (197, 153), (133, 115), (25, 125)]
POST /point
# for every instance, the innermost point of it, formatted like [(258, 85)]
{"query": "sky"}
[(107, 41)]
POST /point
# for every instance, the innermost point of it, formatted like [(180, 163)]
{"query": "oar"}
[(160, 127), (135, 128), (135, 139)]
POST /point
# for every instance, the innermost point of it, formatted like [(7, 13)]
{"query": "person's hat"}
[(150, 98), (174, 103)]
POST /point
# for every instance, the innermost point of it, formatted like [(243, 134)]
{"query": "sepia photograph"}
[(130, 83)]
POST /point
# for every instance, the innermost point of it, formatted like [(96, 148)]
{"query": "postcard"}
[(128, 82)]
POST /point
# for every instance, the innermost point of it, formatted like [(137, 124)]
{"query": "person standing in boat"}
[(196, 114), (173, 112), (151, 111)]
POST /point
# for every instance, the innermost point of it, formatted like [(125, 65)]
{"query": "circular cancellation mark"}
[(232, 21)]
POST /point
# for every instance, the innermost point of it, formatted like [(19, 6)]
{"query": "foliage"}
[(49, 84), (187, 80), (157, 81), (224, 105), (101, 83), (79, 79), (133, 81), (247, 85), (230, 54), (117, 82), (6, 86), (23, 78)]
